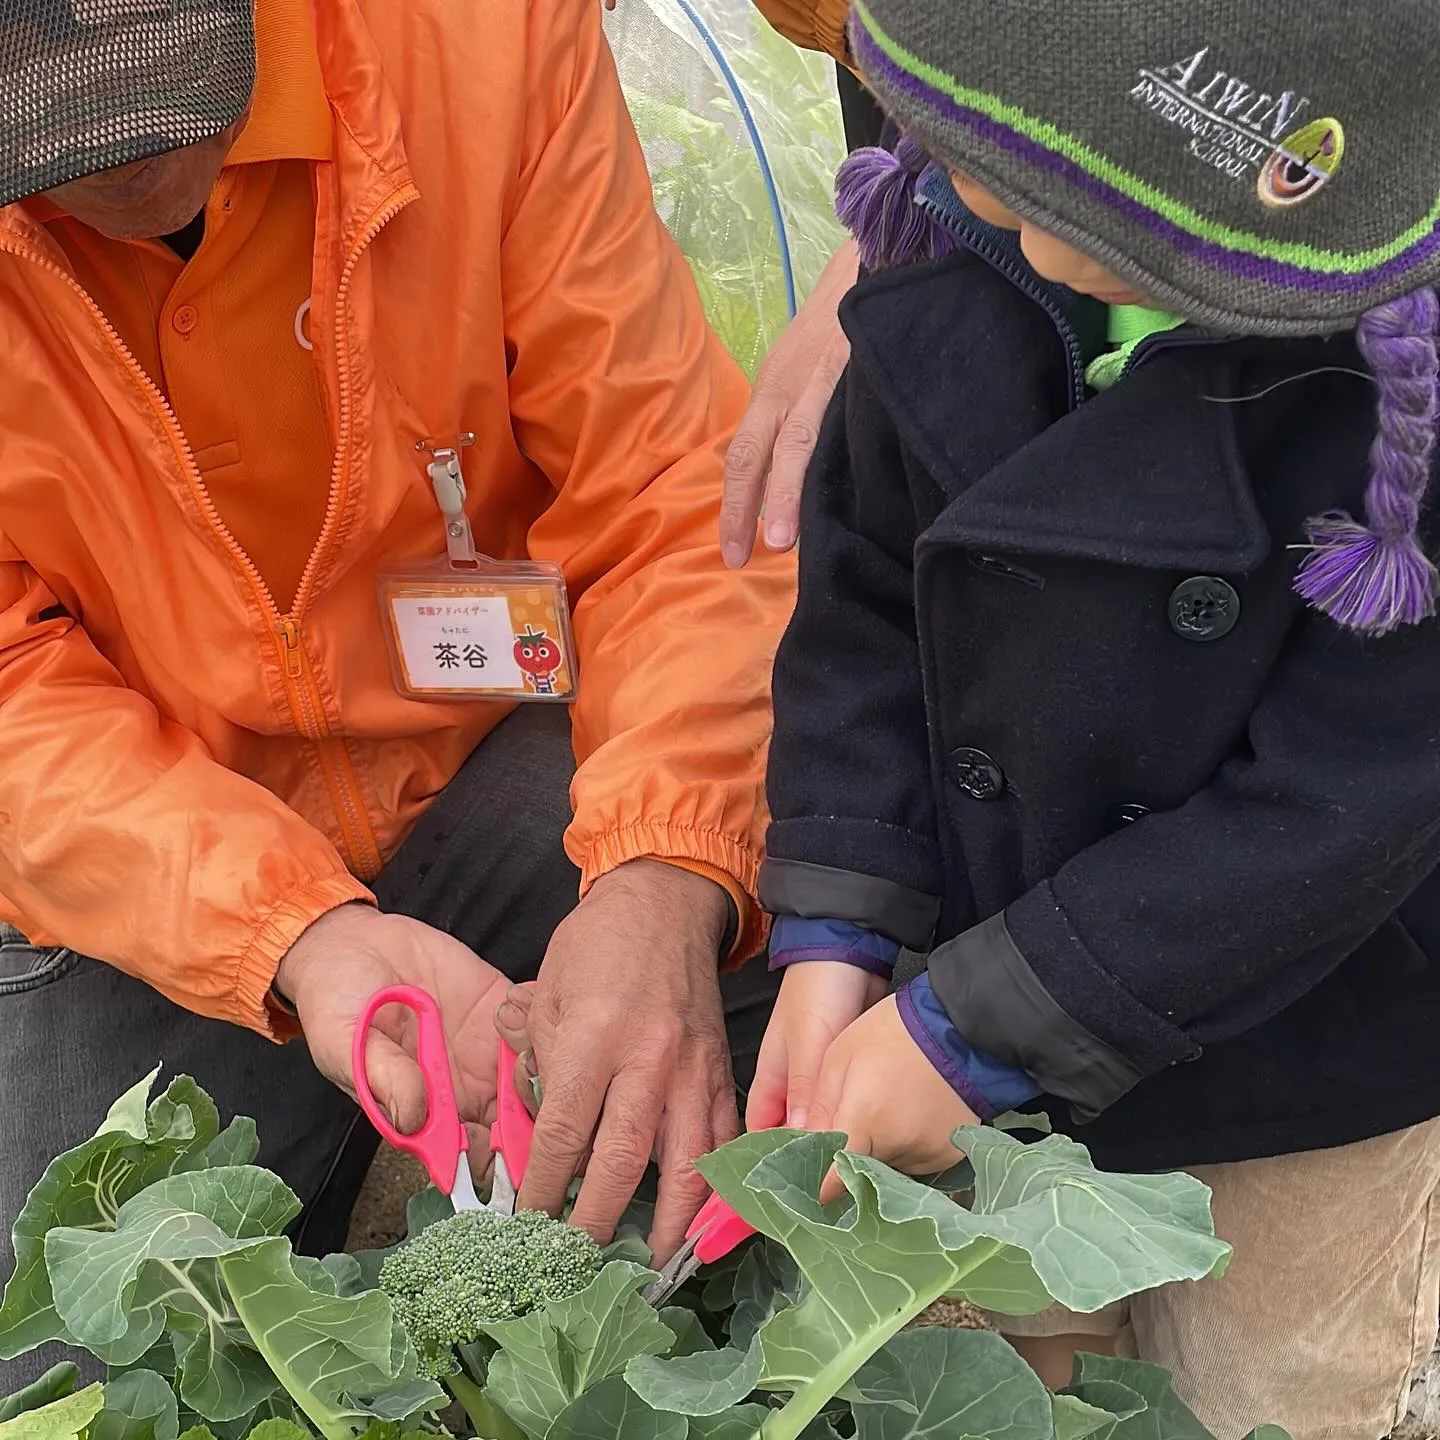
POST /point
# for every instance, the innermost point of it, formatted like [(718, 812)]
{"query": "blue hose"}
[(773, 194)]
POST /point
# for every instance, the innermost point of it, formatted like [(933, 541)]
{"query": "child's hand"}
[(877, 1086), (818, 1000)]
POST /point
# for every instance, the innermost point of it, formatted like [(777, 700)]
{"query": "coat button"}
[(1204, 607), (1129, 814), (977, 774)]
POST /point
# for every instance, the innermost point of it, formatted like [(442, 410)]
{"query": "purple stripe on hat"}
[(873, 60)]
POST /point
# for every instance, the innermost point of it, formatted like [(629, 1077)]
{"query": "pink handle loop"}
[(513, 1129), (719, 1229), (439, 1143)]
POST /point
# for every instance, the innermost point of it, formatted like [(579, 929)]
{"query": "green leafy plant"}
[(709, 188), (157, 1246)]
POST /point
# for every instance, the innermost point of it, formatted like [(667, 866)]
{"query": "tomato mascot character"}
[(539, 658)]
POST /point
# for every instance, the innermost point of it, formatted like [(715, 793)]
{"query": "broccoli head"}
[(476, 1268)]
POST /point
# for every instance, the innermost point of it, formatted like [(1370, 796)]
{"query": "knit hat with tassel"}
[(1260, 167)]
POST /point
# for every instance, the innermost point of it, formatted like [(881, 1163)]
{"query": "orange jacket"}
[(188, 777)]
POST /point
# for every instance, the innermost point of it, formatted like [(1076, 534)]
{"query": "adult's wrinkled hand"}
[(334, 968), (767, 460), (628, 1035)]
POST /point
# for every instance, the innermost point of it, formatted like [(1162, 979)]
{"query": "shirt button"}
[(977, 775), (1204, 607), (185, 319)]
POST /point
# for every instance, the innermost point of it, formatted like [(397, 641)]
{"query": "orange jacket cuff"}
[(714, 855), (255, 1006)]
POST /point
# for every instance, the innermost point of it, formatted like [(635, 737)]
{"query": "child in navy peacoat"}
[(1097, 694)]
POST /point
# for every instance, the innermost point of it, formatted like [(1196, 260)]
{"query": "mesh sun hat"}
[(88, 85), (1265, 167)]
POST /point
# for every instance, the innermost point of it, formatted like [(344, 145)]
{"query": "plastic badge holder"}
[(467, 627), (497, 630)]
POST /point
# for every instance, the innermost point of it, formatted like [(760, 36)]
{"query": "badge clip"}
[(447, 479), (468, 627)]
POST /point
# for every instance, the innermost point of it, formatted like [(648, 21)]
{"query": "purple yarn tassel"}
[(1376, 577), (875, 200)]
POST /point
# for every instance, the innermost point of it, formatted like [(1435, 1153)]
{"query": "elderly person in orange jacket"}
[(295, 301)]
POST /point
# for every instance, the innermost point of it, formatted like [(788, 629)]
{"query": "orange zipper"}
[(335, 760), (302, 694)]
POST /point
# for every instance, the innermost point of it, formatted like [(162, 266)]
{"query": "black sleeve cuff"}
[(999, 1005), (816, 892), (820, 893)]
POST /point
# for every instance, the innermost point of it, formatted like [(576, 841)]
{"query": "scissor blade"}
[(680, 1267), (502, 1190), (462, 1193)]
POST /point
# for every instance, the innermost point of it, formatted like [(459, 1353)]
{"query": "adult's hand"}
[(334, 968), (771, 451), (629, 1038)]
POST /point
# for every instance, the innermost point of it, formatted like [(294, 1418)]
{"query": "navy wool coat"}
[(1050, 711)]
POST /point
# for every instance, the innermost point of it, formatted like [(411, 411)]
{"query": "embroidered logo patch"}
[(1302, 163), (1243, 131)]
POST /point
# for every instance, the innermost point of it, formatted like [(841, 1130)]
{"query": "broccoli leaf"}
[(84, 1188), (1015, 1120), (767, 1282), (277, 1406), (343, 1359), (335, 1274), (950, 1382), (612, 1411), (277, 1429), (1046, 1225), (1097, 1380), (118, 1291), (138, 1406), (425, 1208), (1103, 1382), (690, 1335), (56, 1383), (63, 1419), (551, 1357), (198, 1216), (628, 1247), (707, 1383), (741, 1423), (236, 1144), (1106, 1404)]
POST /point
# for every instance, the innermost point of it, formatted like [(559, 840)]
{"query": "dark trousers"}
[(485, 863)]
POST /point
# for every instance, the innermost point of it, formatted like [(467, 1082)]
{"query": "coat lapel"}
[(1147, 474), (963, 397)]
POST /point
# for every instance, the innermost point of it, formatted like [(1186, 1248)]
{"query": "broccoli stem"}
[(812, 1398), (490, 1422)]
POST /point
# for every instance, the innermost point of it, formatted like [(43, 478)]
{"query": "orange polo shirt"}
[(225, 335)]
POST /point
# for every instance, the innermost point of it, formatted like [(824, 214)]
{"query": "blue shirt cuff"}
[(794, 940), (987, 1085)]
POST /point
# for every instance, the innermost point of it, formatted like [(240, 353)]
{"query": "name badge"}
[(498, 632), (467, 627)]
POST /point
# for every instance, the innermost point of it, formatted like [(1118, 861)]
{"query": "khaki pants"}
[(1330, 1303)]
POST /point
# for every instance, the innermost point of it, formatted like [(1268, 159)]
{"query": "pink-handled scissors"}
[(712, 1235), (440, 1144)]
